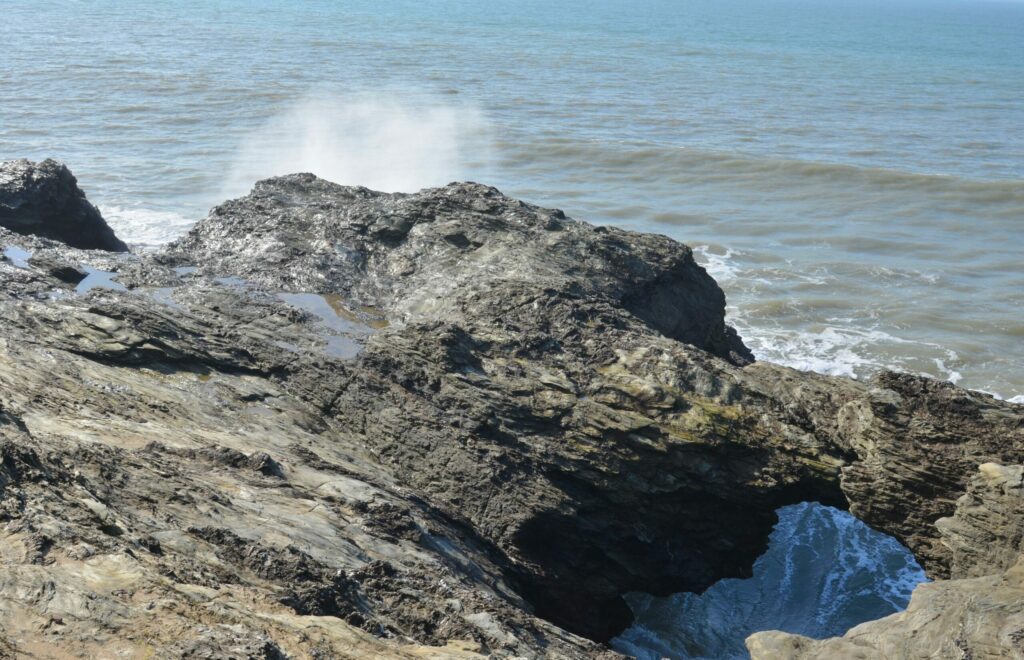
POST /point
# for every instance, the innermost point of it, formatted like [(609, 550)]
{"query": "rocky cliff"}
[(331, 422)]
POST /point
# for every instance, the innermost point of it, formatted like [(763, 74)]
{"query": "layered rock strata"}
[(331, 422)]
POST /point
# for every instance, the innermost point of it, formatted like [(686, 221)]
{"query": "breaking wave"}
[(147, 228)]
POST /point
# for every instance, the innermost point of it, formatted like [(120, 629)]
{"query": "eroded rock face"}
[(913, 445), (339, 421), (43, 199), (986, 533)]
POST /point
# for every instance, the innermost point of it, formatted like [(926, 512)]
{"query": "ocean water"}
[(850, 171), (823, 573)]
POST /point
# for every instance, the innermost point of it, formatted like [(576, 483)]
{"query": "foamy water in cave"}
[(823, 573)]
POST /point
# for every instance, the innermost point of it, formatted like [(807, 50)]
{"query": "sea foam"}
[(143, 227)]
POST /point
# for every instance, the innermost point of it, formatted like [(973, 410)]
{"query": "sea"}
[(850, 171)]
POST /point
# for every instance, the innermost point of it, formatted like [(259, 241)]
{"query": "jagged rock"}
[(444, 254), (978, 614), (472, 423), (986, 533), (43, 199)]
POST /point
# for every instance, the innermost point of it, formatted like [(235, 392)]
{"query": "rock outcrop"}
[(43, 199), (986, 533), (340, 422)]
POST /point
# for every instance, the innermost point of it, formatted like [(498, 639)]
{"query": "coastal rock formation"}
[(986, 534), (331, 422), (978, 614), (453, 254), (43, 199)]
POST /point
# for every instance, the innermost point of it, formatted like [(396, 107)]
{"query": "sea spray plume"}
[(384, 142)]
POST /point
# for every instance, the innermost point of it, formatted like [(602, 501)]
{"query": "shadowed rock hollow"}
[(338, 421)]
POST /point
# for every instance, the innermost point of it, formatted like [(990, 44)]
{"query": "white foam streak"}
[(838, 347), (722, 267), (141, 227), (1013, 399), (384, 142)]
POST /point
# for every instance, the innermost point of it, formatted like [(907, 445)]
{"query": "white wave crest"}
[(147, 228), (722, 267), (1019, 398)]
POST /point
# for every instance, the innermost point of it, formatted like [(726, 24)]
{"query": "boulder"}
[(43, 199)]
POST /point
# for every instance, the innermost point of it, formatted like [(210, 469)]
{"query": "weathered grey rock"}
[(443, 255), (43, 199), (349, 423)]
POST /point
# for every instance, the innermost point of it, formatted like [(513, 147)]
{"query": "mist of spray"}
[(387, 143)]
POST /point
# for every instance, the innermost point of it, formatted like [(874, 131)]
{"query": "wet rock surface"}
[(43, 199), (331, 422)]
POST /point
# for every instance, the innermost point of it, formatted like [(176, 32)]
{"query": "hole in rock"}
[(823, 573)]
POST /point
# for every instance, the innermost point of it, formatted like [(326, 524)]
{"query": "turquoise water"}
[(823, 573), (852, 171)]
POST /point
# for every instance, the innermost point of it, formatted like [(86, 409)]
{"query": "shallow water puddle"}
[(165, 296), (232, 281), (17, 256), (98, 279), (342, 326), (370, 317)]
